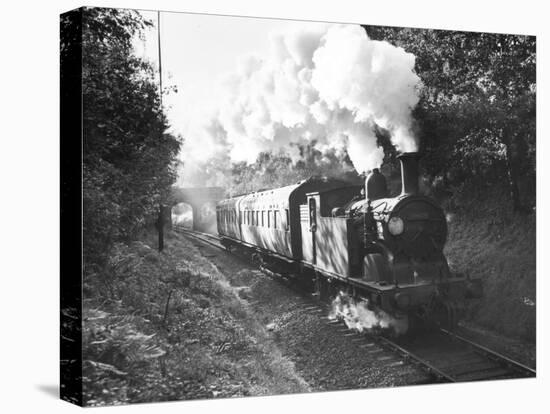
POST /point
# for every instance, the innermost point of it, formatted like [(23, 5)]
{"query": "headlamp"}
[(396, 226)]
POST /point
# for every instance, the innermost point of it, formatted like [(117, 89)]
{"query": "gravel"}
[(326, 355)]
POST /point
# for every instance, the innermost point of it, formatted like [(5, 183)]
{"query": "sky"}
[(198, 51)]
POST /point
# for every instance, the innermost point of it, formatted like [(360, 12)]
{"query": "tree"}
[(129, 162), (476, 116), (278, 170)]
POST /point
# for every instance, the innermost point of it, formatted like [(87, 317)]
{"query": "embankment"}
[(488, 240)]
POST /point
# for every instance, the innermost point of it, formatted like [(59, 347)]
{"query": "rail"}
[(447, 356)]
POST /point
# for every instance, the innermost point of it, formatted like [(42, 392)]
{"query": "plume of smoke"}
[(358, 316), (329, 85)]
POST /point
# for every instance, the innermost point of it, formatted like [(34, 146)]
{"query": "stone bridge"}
[(202, 201)]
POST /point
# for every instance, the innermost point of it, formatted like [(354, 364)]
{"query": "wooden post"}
[(161, 207), (160, 58), (160, 224)]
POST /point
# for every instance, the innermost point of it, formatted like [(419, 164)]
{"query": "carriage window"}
[(269, 219), (263, 218), (287, 220), (276, 219)]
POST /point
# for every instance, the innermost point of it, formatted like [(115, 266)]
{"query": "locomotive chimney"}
[(409, 172)]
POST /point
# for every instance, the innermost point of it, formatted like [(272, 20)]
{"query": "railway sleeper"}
[(469, 368), (485, 375)]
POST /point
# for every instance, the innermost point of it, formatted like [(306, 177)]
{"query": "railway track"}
[(449, 357), (443, 355), (204, 237)]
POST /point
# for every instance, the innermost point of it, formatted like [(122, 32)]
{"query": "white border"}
[(29, 169)]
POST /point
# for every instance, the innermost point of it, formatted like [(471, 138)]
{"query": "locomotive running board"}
[(376, 287)]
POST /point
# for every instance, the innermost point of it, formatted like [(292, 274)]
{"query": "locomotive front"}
[(401, 249)]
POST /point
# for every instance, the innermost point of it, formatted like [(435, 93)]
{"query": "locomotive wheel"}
[(444, 315), (418, 325), (439, 314)]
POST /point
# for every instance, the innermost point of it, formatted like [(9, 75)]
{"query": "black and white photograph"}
[(262, 206)]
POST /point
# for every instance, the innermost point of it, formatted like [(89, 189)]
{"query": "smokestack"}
[(409, 172)]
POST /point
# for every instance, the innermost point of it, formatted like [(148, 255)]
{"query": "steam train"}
[(388, 251)]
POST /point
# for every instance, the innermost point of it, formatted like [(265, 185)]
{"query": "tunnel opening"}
[(195, 208), (182, 215)]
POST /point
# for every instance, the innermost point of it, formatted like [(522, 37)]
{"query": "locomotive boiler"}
[(385, 250)]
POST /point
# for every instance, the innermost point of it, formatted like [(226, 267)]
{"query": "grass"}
[(168, 326), (488, 240)]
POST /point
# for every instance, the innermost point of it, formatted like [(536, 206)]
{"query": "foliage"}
[(166, 326), (124, 334), (277, 170), (489, 241), (476, 116), (129, 162)]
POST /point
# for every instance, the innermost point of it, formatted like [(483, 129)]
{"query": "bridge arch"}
[(203, 204)]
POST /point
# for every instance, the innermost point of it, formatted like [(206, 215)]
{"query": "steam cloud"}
[(330, 85), (358, 316)]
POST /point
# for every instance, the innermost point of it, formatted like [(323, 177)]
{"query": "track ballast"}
[(443, 355)]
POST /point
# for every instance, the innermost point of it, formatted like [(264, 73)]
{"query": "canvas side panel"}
[(71, 206)]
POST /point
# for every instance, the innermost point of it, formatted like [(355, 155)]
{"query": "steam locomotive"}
[(338, 236)]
